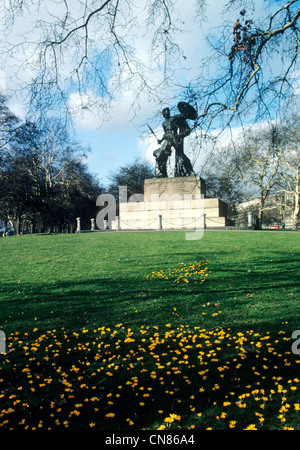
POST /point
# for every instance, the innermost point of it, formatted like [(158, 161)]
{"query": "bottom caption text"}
[(151, 438)]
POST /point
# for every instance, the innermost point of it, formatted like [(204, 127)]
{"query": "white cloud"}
[(18, 108), (2, 82), (79, 105), (119, 115), (146, 146)]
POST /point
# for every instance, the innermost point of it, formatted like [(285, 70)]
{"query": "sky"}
[(121, 139)]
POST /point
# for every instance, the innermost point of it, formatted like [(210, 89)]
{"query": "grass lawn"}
[(103, 332)]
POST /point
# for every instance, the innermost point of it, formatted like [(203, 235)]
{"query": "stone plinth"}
[(172, 204), (193, 185)]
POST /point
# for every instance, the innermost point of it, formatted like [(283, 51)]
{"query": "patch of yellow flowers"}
[(195, 272), (150, 377)]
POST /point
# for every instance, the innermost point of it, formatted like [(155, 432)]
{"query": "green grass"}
[(85, 301)]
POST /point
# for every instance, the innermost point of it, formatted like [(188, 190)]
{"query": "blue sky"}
[(110, 150)]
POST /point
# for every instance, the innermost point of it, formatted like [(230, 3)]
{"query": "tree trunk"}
[(260, 213), (17, 226), (32, 227), (296, 210)]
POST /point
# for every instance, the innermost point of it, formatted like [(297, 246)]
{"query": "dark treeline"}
[(44, 182)]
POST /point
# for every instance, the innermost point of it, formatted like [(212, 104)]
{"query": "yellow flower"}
[(250, 427), (169, 420), (172, 417), (175, 416)]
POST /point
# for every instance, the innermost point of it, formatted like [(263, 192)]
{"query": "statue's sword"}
[(152, 131)]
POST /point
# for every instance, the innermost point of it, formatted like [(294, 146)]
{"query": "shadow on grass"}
[(242, 296)]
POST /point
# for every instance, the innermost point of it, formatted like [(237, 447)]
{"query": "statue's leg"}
[(161, 156), (179, 162), (188, 165), (183, 166), (163, 166)]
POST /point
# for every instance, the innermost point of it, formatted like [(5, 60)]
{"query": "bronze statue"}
[(175, 129)]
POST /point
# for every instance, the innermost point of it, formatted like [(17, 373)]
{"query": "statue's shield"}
[(187, 110)]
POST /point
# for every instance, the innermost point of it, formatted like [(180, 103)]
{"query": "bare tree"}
[(132, 176), (224, 178), (290, 165), (254, 62), (43, 180), (250, 49), (260, 165), (9, 124), (92, 48)]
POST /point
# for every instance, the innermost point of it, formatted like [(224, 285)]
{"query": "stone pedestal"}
[(172, 204), (193, 185)]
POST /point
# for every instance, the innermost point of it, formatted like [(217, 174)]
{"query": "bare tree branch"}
[(91, 48)]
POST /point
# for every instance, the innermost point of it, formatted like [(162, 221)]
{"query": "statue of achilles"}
[(175, 129)]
